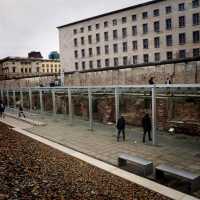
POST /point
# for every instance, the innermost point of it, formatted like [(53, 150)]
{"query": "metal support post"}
[(41, 103), (90, 108), (2, 95), (116, 105), (154, 131), (70, 106), (21, 98), (54, 101), (14, 99), (30, 99), (8, 105)]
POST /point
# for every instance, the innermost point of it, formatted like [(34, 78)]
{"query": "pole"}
[(116, 105), (21, 98), (70, 106), (30, 99), (2, 95), (54, 101), (154, 131), (90, 108), (14, 99), (41, 103), (8, 99)]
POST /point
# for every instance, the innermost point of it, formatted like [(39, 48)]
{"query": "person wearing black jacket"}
[(2, 109), (146, 124), (121, 127)]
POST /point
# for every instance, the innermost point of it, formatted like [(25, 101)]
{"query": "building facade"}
[(19, 67), (155, 31)]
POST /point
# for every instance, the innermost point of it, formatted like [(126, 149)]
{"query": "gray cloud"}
[(27, 25)]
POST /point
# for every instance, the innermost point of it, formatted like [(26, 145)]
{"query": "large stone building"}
[(11, 67), (154, 31)]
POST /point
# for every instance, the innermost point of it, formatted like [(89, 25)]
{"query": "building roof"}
[(112, 12), (26, 59)]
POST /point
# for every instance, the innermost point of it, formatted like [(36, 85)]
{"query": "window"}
[(75, 31), (75, 42), (116, 62), (181, 21), (195, 3), (125, 48), (196, 36), (145, 15), (169, 55), (125, 60), (98, 63), (168, 9), (169, 40), (82, 40), (145, 43), (135, 59), (196, 19), (124, 32), (182, 38), (83, 53), (27, 70), (97, 37), (83, 65), (105, 36), (115, 34), (134, 17), (181, 6), (114, 22), (14, 69), (98, 50), (106, 47), (90, 52), (124, 20), (89, 39), (76, 54), (97, 26), (156, 42), (115, 48), (91, 64), (82, 29), (107, 62), (76, 66), (182, 54), (157, 57), (89, 28), (134, 30), (30, 70), (156, 26), (156, 12), (146, 58), (134, 45), (105, 24), (145, 28), (168, 24), (38, 69), (196, 52)]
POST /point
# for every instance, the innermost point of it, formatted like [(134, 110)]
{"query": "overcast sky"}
[(27, 25)]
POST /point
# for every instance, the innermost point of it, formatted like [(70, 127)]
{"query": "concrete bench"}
[(192, 179), (145, 165)]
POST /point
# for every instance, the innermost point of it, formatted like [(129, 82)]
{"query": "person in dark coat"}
[(2, 109), (146, 124), (21, 111), (151, 81), (121, 127)]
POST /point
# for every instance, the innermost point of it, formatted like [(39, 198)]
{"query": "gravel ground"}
[(31, 170)]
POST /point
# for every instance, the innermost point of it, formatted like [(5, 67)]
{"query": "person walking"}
[(121, 127), (146, 124), (21, 112), (2, 109), (151, 81)]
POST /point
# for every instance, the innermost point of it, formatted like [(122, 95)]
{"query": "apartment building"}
[(154, 31), (18, 66)]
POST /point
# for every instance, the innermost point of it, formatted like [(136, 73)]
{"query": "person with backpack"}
[(2, 109), (146, 124), (121, 127)]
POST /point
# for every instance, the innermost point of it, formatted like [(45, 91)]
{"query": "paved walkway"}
[(178, 150)]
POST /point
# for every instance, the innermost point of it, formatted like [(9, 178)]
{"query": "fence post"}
[(70, 106), (116, 105), (90, 108), (30, 99), (154, 131), (41, 103), (54, 101)]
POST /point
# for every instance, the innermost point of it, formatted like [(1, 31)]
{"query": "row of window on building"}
[(134, 60), (169, 42), (115, 35), (156, 13), (29, 70)]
